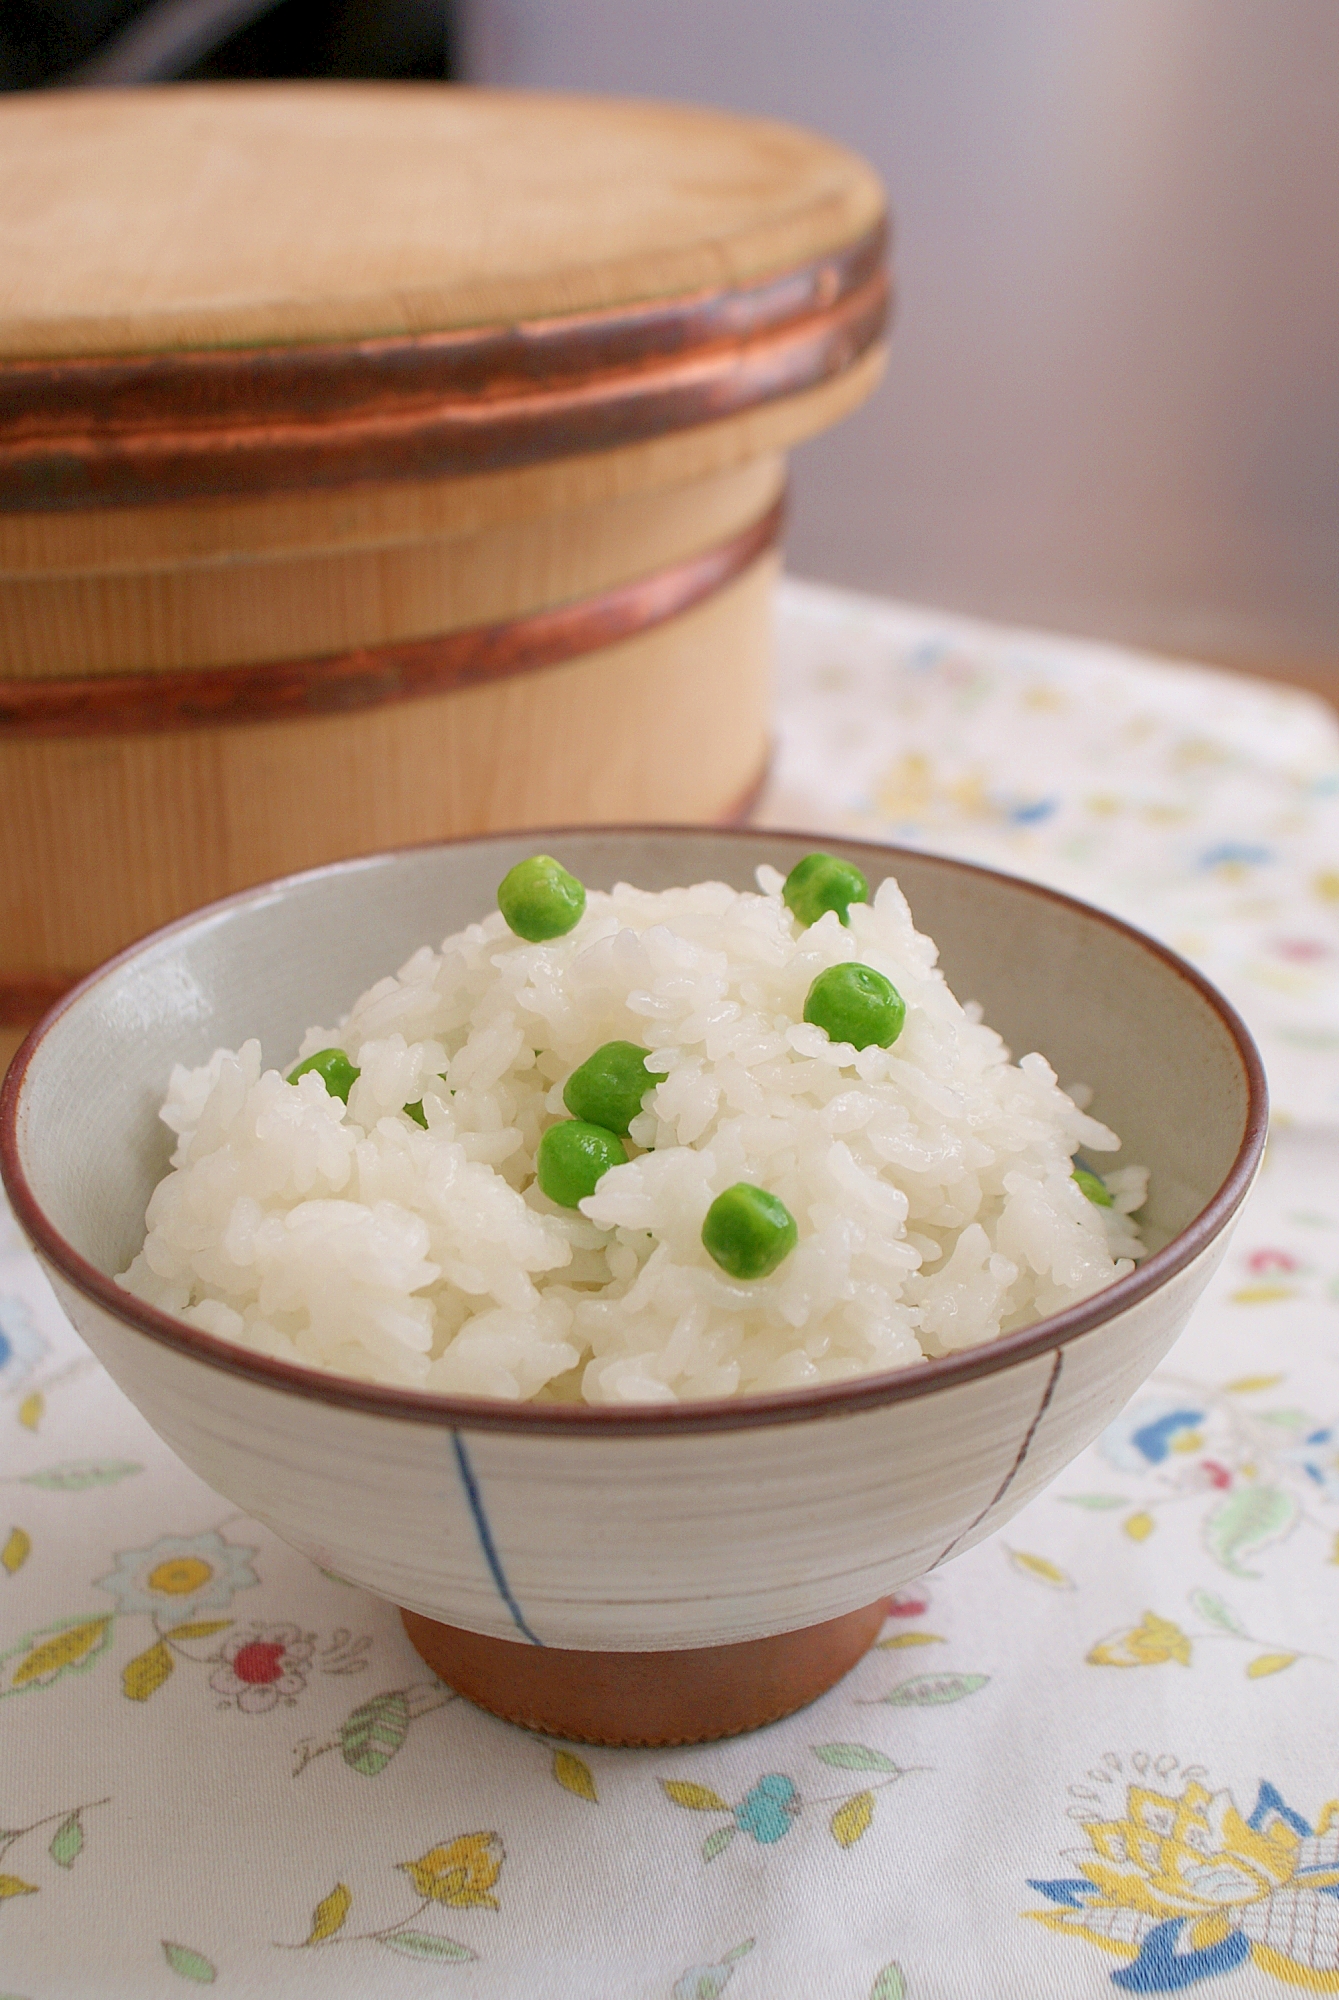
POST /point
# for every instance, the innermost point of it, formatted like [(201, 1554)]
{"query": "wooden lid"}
[(187, 273)]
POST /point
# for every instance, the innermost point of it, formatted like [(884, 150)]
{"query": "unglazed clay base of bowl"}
[(692, 1695), (721, 1558)]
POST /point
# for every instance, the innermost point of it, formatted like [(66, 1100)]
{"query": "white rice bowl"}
[(932, 1182)]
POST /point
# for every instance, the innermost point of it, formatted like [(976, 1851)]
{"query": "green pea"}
[(574, 1157), (1093, 1187), (609, 1086), (821, 883), (854, 1003), (334, 1069), (748, 1232), (540, 900), (416, 1111)]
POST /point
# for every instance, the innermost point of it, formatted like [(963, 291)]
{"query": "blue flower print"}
[(1149, 1431), (1029, 812), (768, 1811), (1316, 1456), (1184, 1889), (1236, 854), (21, 1345)]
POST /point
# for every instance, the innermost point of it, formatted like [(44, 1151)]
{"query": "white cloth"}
[(220, 1766)]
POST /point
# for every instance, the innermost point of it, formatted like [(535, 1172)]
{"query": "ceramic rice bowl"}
[(620, 1573)]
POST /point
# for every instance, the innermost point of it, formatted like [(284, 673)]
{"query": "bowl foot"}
[(651, 1699)]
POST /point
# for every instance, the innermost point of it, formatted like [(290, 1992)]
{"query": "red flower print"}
[(913, 1603), (263, 1665), (1261, 1261), (1301, 951)]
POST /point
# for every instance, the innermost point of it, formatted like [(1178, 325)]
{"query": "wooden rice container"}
[(379, 463)]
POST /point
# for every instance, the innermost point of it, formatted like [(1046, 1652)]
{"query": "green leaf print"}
[(371, 1734), (854, 1756), (421, 1944), (716, 1843), (710, 1985), (1245, 1521), (374, 1732), (67, 1843), (1217, 1613), (190, 1964), (78, 1474), (890, 1984), (708, 1982), (933, 1690), (1096, 1503)]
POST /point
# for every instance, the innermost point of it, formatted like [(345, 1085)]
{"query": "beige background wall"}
[(1113, 405)]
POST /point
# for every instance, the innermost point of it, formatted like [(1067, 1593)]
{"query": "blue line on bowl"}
[(486, 1542)]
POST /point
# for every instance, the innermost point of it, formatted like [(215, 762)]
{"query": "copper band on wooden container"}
[(163, 427), (366, 676)]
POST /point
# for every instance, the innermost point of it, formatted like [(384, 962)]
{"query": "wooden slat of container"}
[(286, 606), (645, 730)]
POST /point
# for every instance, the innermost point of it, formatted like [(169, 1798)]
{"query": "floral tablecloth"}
[(1097, 1751)]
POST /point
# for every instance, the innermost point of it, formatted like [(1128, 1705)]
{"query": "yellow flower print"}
[(1186, 1857), (1186, 1888), (1150, 1643), (180, 1575), (907, 790), (461, 1874)]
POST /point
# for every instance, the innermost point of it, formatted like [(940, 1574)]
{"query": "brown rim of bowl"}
[(650, 1419)]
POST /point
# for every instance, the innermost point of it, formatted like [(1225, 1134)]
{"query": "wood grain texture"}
[(104, 838), (23, 1002), (260, 605), (370, 676), (212, 217)]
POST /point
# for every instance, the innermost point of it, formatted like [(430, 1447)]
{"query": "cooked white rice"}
[(931, 1182)]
